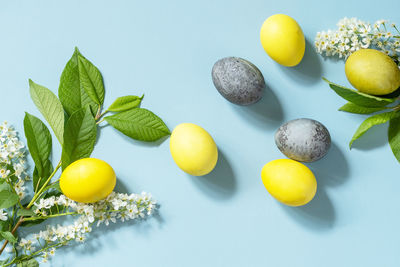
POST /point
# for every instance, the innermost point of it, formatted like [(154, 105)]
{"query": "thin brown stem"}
[(21, 219)]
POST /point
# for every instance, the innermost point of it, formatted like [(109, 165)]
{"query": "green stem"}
[(12, 219), (11, 262), (50, 184), (33, 255), (49, 216), (99, 114), (44, 185), (100, 121), (102, 114)]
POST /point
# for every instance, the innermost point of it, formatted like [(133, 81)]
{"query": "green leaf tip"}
[(326, 80), (72, 95), (372, 121), (50, 107), (91, 80), (124, 103), (355, 109)]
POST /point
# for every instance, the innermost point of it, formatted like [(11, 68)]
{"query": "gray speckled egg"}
[(304, 140), (238, 80)]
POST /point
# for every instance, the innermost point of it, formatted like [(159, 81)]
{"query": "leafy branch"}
[(74, 117), (360, 103)]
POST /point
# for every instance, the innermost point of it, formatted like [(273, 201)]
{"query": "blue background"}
[(166, 49)]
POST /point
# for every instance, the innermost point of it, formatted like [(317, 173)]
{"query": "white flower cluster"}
[(12, 159), (353, 34), (116, 206)]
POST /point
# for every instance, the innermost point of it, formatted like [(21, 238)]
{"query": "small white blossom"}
[(45, 257), (4, 173), (80, 238), (52, 252), (86, 227), (3, 215), (26, 244), (117, 206)]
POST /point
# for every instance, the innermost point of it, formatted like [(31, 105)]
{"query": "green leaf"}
[(91, 80), (72, 95), (39, 180), (32, 223), (28, 263), (359, 98), (39, 144), (8, 236), (353, 108), (50, 107), (79, 138), (140, 124), (125, 103), (8, 199), (5, 186), (372, 121), (394, 136), (4, 225), (25, 212)]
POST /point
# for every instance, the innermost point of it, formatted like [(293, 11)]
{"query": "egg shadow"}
[(373, 138), (309, 70), (120, 187), (266, 113), (331, 170), (320, 214), (221, 183)]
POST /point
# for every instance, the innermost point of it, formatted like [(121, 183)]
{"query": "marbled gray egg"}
[(238, 80), (304, 140)]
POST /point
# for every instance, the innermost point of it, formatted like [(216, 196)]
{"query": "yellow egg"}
[(372, 72), (289, 181), (193, 149), (88, 180), (283, 40)]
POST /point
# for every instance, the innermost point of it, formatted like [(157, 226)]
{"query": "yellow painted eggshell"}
[(193, 149), (372, 72), (289, 181), (88, 180), (283, 40)]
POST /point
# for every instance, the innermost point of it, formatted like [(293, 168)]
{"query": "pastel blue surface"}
[(166, 50)]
